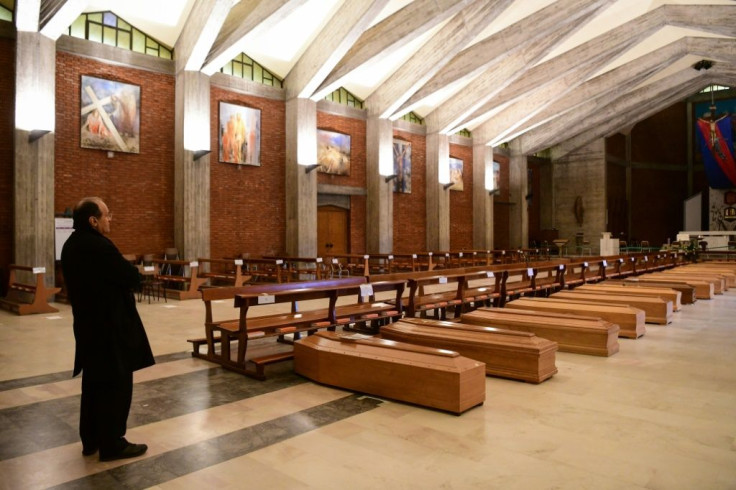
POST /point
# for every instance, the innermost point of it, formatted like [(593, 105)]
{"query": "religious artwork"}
[(402, 166), (496, 175), (110, 117), (333, 152), (715, 129), (456, 174), (239, 134)]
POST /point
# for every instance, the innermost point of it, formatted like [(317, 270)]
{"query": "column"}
[(192, 174), (518, 211), (482, 201), (437, 197), (379, 203), (301, 186), (33, 231)]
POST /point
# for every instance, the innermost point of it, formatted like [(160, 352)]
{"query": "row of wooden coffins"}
[(443, 364)]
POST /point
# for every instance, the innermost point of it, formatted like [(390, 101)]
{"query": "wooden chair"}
[(150, 285)]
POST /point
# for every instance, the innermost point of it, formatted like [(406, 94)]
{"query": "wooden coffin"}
[(630, 319), (656, 309), (728, 274), (433, 378), (668, 294), (691, 290), (718, 281), (573, 333), (506, 353)]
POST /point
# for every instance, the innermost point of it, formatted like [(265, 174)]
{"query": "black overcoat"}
[(109, 333)]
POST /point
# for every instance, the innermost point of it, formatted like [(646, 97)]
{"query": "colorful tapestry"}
[(716, 145)]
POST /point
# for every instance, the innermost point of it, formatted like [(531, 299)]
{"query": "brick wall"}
[(138, 188), (7, 155), (410, 210), (247, 203), (356, 129), (461, 202)]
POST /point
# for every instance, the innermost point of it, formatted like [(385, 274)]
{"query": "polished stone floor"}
[(660, 414)]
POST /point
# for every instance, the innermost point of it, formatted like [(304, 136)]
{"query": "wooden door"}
[(332, 231)]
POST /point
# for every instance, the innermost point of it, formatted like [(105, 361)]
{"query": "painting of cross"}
[(110, 115)]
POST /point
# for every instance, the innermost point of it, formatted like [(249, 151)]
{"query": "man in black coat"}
[(111, 342)]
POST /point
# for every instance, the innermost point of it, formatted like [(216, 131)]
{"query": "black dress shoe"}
[(129, 451), (88, 451)]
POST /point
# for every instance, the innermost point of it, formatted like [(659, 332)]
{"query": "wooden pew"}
[(330, 315), (265, 269), (607, 288), (629, 319), (227, 272), (348, 264), (302, 268), (425, 376), (656, 309), (27, 298), (573, 333), (189, 284), (506, 353)]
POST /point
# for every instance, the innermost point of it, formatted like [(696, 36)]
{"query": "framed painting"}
[(402, 166), (333, 152), (110, 116), (456, 174), (239, 134)]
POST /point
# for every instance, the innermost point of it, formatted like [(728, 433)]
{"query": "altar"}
[(609, 246), (716, 240)]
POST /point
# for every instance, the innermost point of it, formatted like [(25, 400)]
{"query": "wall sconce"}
[(447, 185), (200, 153), (309, 168), (36, 134), (391, 177), (493, 192)]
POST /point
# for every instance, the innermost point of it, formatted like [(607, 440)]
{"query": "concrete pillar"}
[(437, 197), (33, 231), (518, 190), (581, 174), (192, 177), (482, 201), (380, 200), (301, 187)]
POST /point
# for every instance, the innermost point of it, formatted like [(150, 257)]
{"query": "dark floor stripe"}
[(12, 384), (38, 426), (174, 464)]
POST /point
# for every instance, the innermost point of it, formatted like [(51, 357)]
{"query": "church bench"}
[(425, 376), (573, 333), (575, 273), (413, 262), (348, 264), (302, 268), (298, 320), (222, 272), (26, 298), (366, 313), (629, 319), (188, 285), (656, 309), (506, 353), (264, 269)]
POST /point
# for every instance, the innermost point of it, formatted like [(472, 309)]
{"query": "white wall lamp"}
[(309, 168), (200, 153), (391, 177), (490, 180), (36, 134)]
